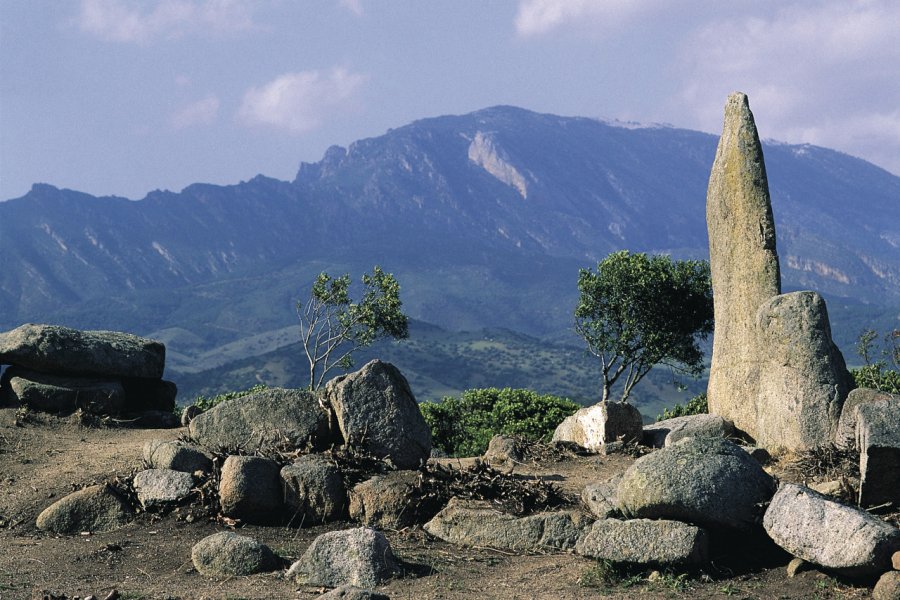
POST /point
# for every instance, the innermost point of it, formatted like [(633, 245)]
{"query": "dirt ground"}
[(45, 458)]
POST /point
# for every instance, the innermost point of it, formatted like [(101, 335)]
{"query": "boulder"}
[(351, 592), (176, 455), (385, 501), (803, 380), (594, 426), (250, 489), (149, 395), (642, 541), (376, 411), (600, 497), (227, 554), (96, 508), (502, 451), (158, 487), (360, 557), (708, 481), (743, 264), (314, 491), (65, 351), (888, 587), (65, 394), (878, 440), (821, 531), (270, 418), (468, 523), (667, 432), (845, 436)]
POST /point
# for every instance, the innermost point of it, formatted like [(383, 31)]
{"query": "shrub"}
[(204, 403), (695, 406), (464, 426), (877, 376)]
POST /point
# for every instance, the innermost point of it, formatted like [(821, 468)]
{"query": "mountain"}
[(484, 218)]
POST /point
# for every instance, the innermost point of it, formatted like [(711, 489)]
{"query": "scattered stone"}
[(709, 481), (502, 451), (96, 508), (65, 394), (827, 488), (360, 557), (250, 489), (821, 531), (845, 437), (188, 414), (158, 487), (895, 560), (796, 565), (313, 491), (227, 554), (600, 497), (65, 351), (593, 426), (803, 380), (376, 411), (888, 587), (385, 501), (667, 432), (270, 418), (351, 592), (743, 264), (176, 455), (468, 523), (642, 541), (878, 439)]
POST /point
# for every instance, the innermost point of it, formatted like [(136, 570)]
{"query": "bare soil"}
[(43, 458)]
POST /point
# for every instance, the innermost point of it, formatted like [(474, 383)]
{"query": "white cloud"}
[(354, 6), (201, 112), (120, 21), (536, 17), (300, 102)]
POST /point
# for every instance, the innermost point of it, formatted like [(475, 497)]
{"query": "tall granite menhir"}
[(775, 371)]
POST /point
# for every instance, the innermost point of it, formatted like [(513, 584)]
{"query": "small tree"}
[(638, 311), (333, 327)]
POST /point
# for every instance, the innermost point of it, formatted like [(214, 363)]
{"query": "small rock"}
[(895, 561), (227, 554), (95, 508), (667, 432), (642, 541), (250, 489), (888, 587), (158, 487), (828, 488), (176, 455), (351, 592), (188, 414), (600, 497), (360, 557), (314, 491), (385, 501), (502, 450), (796, 566)]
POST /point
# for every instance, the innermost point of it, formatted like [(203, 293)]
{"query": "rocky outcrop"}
[(96, 508), (376, 411), (360, 557), (667, 432), (709, 481), (227, 554), (878, 440), (250, 489), (595, 426), (314, 491), (821, 531), (642, 541)]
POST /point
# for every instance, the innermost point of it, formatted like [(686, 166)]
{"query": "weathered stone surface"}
[(65, 394), (250, 489), (594, 426), (642, 541), (895, 560), (95, 508), (227, 554), (351, 592), (743, 264), (502, 451), (176, 455), (803, 379), (158, 487), (188, 414), (477, 524), (314, 491), (888, 587), (601, 497), (61, 350), (845, 436), (268, 418), (667, 432), (709, 481), (821, 531), (360, 557), (385, 501), (376, 410), (878, 439)]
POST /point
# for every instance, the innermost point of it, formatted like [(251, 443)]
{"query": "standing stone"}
[(803, 379), (743, 263)]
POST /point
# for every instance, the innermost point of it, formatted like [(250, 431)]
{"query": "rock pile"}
[(58, 369)]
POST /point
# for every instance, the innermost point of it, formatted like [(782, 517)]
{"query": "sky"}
[(115, 97)]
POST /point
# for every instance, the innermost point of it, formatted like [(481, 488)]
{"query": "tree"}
[(638, 311), (333, 327)]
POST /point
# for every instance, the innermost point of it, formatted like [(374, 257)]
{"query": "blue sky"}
[(116, 97)]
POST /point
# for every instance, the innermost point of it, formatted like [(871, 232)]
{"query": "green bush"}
[(877, 376), (204, 403), (695, 406), (464, 426)]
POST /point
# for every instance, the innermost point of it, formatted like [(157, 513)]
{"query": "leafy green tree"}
[(881, 374), (638, 311), (463, 426), (333, 326)]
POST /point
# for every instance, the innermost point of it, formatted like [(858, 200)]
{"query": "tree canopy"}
[(637, 311)]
